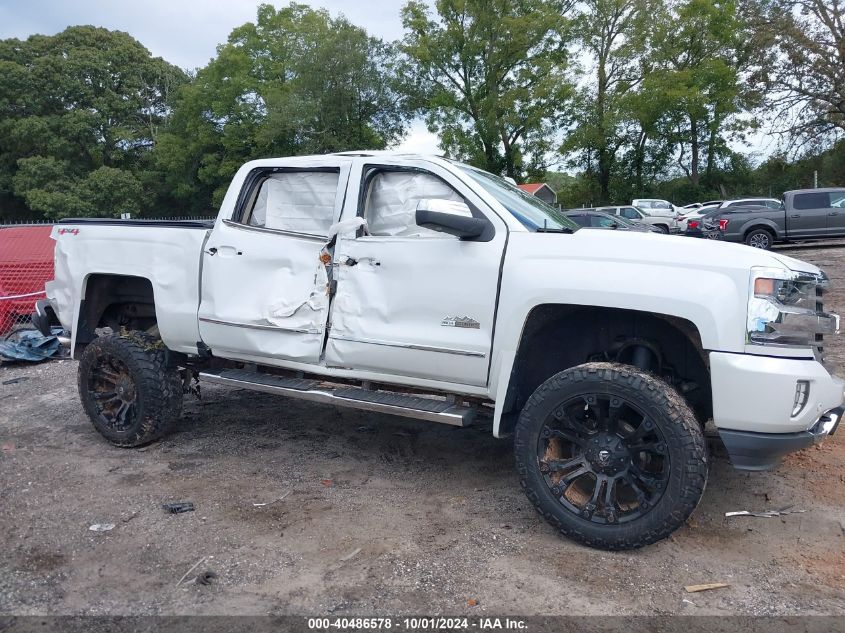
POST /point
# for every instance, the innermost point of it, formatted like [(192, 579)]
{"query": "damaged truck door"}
[(263, 293), (413, 300)]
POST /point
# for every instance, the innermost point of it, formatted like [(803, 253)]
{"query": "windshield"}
[(532, 213)]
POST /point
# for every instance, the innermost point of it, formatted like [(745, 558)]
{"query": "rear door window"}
[(296, 201), (812, 200)]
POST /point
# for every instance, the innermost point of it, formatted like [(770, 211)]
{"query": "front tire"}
[(128, 389), (610, 455)]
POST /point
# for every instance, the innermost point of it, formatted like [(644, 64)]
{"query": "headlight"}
[(785, 308)]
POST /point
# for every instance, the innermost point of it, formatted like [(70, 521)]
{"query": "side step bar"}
[(345, 396)]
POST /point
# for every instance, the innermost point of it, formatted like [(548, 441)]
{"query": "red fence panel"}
[(26, 264)]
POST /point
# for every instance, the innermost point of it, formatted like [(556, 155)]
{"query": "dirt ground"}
[(370, 514)]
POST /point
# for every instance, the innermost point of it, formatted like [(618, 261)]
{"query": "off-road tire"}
[(684, 444), (760, 238), (157, 385)]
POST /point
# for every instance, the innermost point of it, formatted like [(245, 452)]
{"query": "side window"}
[(630, 213), (812, 200), (645, 204), (297, 201), (601, 221), (837, 199), (391, 199)]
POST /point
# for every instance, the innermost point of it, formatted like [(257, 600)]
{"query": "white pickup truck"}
[(422, 287)]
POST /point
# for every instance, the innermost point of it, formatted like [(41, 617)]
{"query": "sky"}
[(187, 32)]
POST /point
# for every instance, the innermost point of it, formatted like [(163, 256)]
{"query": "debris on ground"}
[(206, 577), (101, 527), (29, 345), (327, 482), (765, 513), (472, 602), (706, 587), (178, 507), (14, 381), (351, 554), (267, 503), (195, 565)]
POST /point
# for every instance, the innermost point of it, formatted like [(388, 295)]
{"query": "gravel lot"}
[(370, 514)]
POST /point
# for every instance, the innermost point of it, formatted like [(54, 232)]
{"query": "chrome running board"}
[(405, 405)]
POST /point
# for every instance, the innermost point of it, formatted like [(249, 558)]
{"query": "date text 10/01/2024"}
[(416, 624)]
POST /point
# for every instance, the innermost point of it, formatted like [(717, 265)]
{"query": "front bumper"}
[(762, 451), (754, 406)]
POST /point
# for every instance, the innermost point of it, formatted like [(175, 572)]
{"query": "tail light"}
[(693, 224), (723, 224)]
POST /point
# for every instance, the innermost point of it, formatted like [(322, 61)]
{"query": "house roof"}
[(533, 187)]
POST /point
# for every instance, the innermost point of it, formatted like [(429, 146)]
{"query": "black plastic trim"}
[(170, 224), (762, 451)]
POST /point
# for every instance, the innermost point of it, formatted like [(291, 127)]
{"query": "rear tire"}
[(662, 228), (760, 238), (128, 389), (610, 455)]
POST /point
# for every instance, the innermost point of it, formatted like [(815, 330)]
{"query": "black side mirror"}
[(446, 216)]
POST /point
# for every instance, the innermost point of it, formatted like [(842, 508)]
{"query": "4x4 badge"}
[(463, 321)]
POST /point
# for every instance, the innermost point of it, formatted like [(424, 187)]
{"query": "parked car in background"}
[(597, 219), (656, 206), (805, 214), (661, 223)]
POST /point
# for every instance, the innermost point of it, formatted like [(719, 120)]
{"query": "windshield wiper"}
[(545, 229)]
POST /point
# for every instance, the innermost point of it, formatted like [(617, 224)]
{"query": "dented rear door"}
[(264, 288)]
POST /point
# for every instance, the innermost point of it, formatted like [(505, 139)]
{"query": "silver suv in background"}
[(663, 223)]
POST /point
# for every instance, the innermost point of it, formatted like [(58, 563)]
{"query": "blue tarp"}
[(29, 345)]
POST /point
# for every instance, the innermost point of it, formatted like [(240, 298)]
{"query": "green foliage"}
[(491, 77), (613, 34), (293, 82), (79, 112), (92, 125)]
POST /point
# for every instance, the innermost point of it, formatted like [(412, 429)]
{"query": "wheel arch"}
[(757, 224), (672, 346), (115, 301)]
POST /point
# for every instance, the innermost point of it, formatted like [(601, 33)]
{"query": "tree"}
[(809, 77), (612, 33), (79, 112), (293, 82), (700, 65), (491, 76)]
